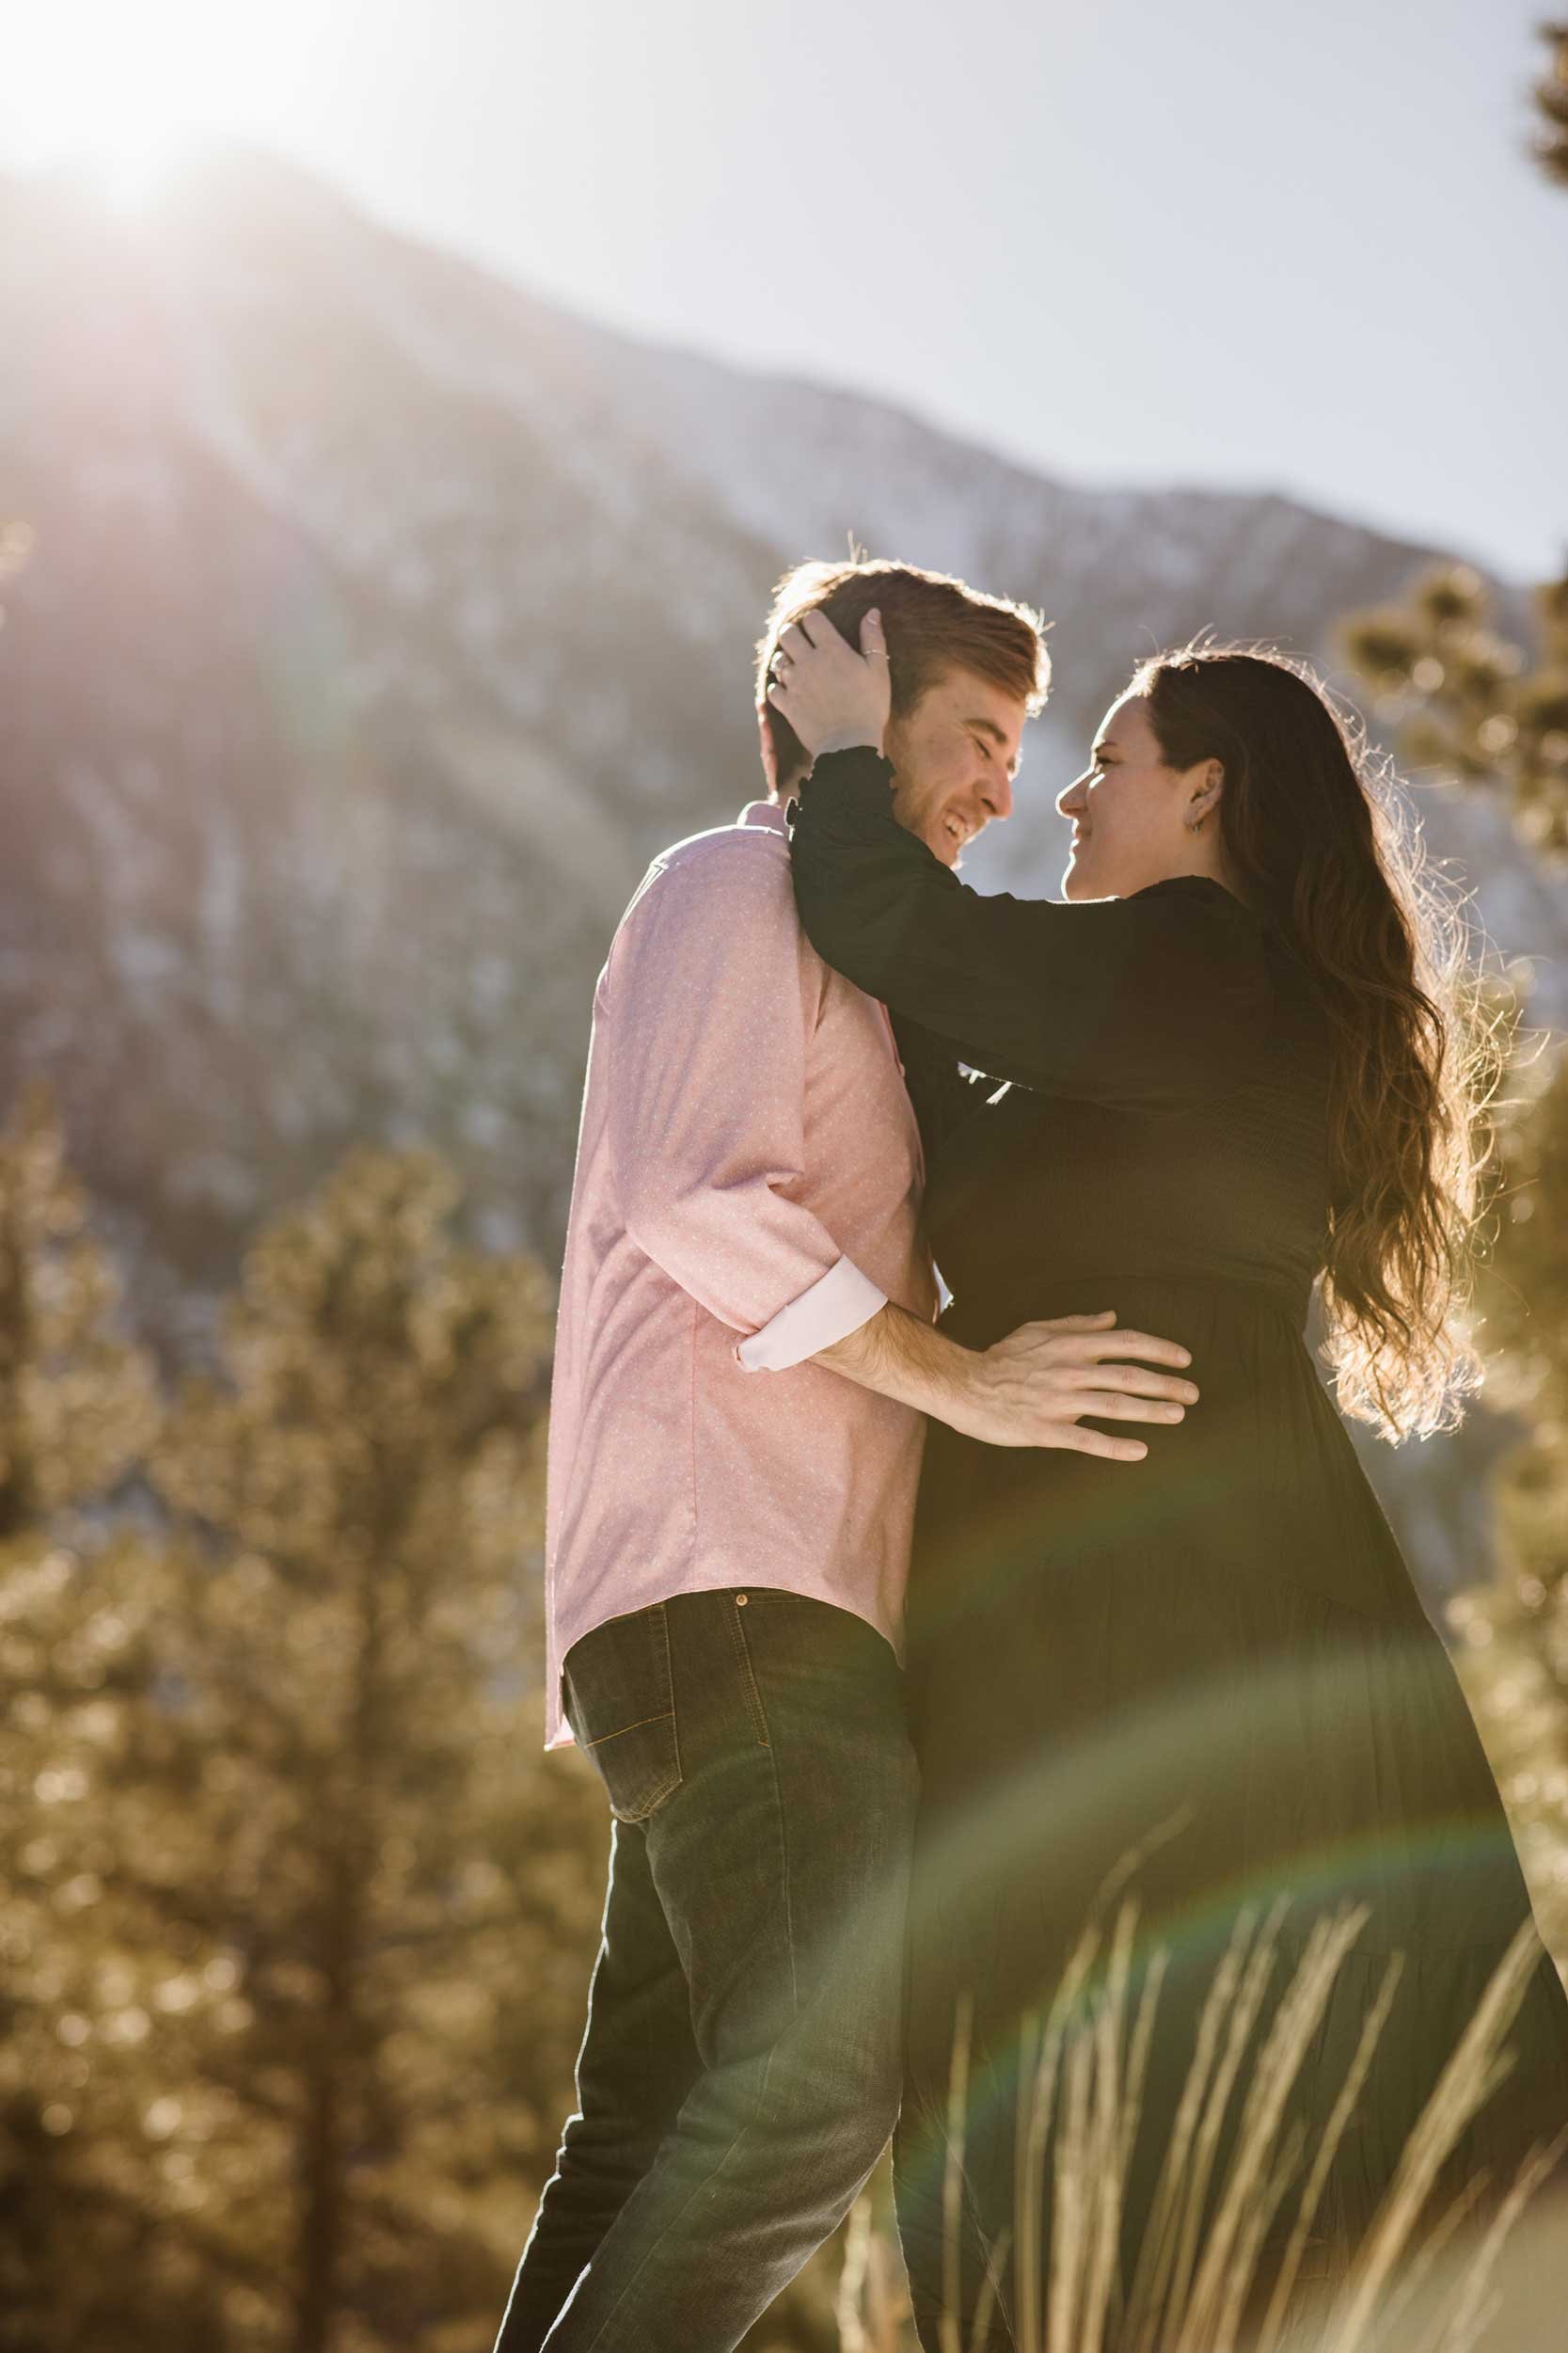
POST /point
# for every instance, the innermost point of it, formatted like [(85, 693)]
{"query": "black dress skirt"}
[(1210, 1667)]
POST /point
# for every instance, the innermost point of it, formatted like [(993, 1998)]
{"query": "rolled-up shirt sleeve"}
[(706, 1040)]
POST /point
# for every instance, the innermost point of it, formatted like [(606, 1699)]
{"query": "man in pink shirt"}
[(745, 1357)]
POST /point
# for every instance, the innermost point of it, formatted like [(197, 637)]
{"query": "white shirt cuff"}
[(837, 1304)]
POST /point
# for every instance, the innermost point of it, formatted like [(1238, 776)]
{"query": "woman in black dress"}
[(1234, 1079)]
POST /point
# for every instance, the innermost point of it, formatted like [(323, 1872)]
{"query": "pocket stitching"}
[(659, 1626), (748, 1677), (662, 1716), (662, 1621)]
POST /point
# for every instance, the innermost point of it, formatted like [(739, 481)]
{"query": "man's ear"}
[(770, 755)]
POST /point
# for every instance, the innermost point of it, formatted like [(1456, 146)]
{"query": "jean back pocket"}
[(620, 1702)]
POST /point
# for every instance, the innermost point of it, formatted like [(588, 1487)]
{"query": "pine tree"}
[(406, 1890), (82, 1949), (299, 1917)]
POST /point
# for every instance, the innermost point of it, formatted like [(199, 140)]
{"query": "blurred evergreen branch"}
[(78, 1404), (1551, 100), (1468, 702)]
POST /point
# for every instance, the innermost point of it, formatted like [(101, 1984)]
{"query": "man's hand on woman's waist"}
[(1034, 1387)]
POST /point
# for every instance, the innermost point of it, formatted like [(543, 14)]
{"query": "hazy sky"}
[(1236, 241)]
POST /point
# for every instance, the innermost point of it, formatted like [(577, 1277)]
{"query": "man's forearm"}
[(901, 1357)]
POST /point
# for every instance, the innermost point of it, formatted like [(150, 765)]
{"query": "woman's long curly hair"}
[(1315, 838)]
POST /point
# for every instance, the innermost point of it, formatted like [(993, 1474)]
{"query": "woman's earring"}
[(1195, 824)]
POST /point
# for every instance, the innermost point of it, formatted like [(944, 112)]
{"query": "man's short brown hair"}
[(934, 624)]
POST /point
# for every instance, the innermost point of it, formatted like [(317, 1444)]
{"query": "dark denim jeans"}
[(740, 2075)]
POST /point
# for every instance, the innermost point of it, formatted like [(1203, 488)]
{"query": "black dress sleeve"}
[(1160, 998)]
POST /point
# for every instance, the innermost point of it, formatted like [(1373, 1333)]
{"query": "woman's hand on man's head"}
[(833, 696)]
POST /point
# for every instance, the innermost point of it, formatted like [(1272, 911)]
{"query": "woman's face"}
[(1131, 812)]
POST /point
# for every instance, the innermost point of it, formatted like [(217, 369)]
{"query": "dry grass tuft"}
[(1417, 2284)]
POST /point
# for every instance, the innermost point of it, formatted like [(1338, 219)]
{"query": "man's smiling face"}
[(955, 753)]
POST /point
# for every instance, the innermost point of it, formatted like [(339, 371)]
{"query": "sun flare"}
[(122, 96)]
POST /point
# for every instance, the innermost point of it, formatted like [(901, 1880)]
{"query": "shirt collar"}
[(768, 815)]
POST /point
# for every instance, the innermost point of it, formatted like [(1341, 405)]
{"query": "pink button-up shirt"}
[(747, 1192)]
